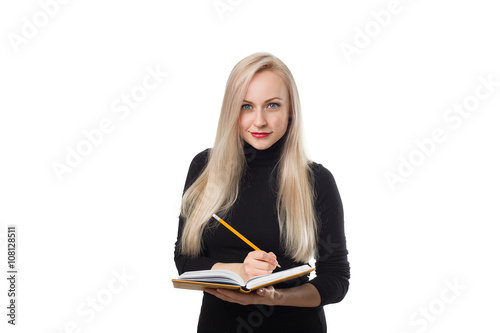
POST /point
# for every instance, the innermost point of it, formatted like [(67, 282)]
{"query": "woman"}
[(258, 178)]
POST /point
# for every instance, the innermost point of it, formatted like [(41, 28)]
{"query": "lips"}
[(259, 135)]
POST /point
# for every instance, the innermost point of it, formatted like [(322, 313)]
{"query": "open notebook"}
[(221, 278)]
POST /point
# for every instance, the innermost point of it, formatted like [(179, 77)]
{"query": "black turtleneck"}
[(254, 216)]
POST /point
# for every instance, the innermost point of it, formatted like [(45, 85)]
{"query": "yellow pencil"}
[(237, 234)]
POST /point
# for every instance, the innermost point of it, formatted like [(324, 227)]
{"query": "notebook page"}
[(262, 279), (215, 276)]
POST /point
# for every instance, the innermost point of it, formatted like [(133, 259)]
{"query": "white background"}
[(118, 209)]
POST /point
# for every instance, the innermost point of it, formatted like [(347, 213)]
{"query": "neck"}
[(269, 156)]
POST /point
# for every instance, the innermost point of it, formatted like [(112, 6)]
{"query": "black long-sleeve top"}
[(254, 215)]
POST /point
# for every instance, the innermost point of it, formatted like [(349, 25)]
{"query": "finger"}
[(272, 259), (231, 296), (264, 256), (269, 264), (258, 255), (256, 272), (275, 259), (260, 267), (265, 291), (215, 292)]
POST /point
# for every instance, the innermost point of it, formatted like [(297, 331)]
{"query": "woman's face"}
[(264, 110)]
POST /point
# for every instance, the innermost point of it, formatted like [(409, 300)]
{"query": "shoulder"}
[(197, 165), (321, 174), (199, 162), (201, 157), (325, 187)]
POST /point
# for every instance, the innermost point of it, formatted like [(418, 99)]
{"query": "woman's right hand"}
[(258, 263)]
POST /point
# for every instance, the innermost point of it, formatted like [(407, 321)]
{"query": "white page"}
[(215, 276), (257, 280)]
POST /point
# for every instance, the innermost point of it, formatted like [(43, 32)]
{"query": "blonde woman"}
[(258, 178)]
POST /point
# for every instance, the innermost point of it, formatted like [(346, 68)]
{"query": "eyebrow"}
[(264, 101)]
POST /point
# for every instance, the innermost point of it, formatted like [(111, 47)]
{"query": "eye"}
[(246, 107), (274, 105)]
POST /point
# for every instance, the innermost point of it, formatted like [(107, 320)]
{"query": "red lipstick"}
[(260, 134)]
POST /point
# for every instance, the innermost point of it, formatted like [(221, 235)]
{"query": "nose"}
[(259, 120)]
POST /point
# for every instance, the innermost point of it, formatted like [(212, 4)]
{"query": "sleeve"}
[(332, 267), (182, 262)]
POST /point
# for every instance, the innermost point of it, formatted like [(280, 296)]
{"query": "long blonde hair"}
[(216, 189)]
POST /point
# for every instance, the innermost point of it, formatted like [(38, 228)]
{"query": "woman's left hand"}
[(267, 296)]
